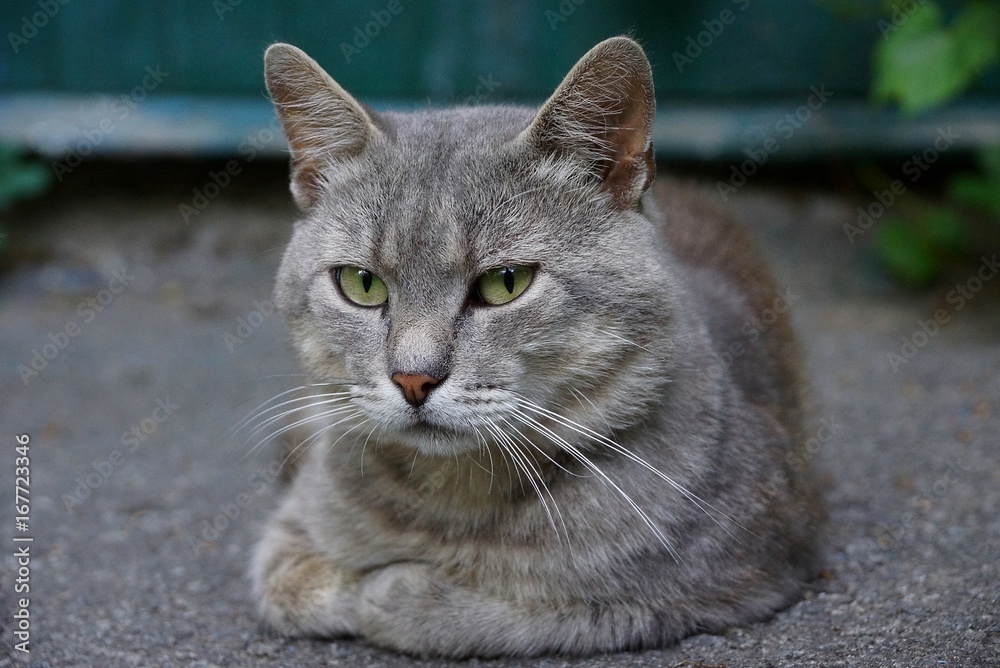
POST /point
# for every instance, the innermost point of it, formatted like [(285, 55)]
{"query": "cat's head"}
[(466, 274)]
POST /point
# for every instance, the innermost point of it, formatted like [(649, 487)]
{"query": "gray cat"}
[(552, 409)]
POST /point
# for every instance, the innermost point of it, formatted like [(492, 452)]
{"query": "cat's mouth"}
[(433, 440), (441, 426)]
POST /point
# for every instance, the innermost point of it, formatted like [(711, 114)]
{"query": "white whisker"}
[(625, 340), (700, 503), (498, 438), (533, 472), (260, 410), (580, 457), (315, 436), (288, 427), (365, 444), (271, 420), (529, 445), (484, 446)]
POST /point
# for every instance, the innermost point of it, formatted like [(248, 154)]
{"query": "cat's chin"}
[(434, 442)]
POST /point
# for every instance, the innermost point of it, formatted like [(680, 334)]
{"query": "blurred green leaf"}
[(914, 63), (976, 191), (907, 255), (944, 230), (976, 36), (980, 190), (921, 63)]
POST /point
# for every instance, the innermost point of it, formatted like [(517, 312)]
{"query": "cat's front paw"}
[(415, 608), (307, 595), (398, 605)]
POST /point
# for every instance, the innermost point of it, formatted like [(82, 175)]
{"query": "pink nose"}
[(415, 386)]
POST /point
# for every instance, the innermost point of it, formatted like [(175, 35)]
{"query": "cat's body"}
[(608, 458)]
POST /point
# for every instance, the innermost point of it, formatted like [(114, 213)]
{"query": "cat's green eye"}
[(361, 286), (503, 284)]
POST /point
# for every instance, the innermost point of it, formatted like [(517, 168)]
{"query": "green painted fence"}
[(185, 76)]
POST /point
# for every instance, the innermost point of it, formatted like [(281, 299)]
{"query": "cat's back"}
[(746, 311)]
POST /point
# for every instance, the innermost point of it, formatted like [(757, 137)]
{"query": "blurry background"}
[(723, 62), (144, 208), (825, 81)]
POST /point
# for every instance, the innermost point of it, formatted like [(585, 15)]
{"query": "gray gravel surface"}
[(128, 570)]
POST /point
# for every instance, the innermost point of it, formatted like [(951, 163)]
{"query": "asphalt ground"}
[(156, 336)]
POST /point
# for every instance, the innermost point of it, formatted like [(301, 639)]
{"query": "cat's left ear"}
[(603, 113), (322, 122)]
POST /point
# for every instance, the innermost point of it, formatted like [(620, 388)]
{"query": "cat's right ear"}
[(603, 113), (322, 122)]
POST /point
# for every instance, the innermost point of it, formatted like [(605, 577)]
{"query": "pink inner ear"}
[(321, 120), (628, 134), (603, 112), (305, 186), (629, 166)]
